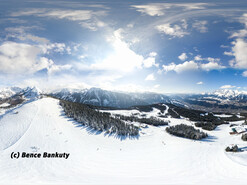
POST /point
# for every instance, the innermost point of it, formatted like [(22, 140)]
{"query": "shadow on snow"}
[(93, 131)]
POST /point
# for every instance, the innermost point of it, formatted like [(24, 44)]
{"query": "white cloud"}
[(73, 15), (21, 34), (200, 26), (244, 74), (175, 31), (158, 9), (153, 54), (150, 61), (199, 83), (184, 24), (19, 58), (211, 66), (191, 65), (239, 46), (86, 18), (227, 87), (198, 58), (228, 53), (210, 59), (243, 32), (55, 47), (186, 66), (239, 52), (150, 77), (123, 59), (183, 56), (93, 24)]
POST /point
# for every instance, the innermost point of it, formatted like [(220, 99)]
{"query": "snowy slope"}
[(154, 158)]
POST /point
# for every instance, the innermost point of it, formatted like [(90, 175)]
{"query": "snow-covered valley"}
[(154, 157)]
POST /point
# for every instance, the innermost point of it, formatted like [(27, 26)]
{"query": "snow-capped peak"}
[(228, 93), (8, 92), (31, 92)]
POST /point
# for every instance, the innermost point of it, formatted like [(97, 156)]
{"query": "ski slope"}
[(95, 158)]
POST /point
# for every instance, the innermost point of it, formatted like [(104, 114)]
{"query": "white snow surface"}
[(223, 115), (4, 105), (155, 157)]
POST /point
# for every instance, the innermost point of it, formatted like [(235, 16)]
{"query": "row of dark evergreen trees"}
[(149, 121), (97, 120), (186, 131)]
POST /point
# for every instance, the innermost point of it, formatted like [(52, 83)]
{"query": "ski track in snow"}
[(154, 158)]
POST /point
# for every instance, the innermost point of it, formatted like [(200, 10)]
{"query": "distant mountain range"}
[(13, 96), (8, 92), (219, 100), (99, 97)]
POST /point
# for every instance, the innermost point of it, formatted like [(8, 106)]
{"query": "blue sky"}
[(160, 46)]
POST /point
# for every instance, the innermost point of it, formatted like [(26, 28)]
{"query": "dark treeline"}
[(199, 116), (206, 125), (186, 131), (97, 120), (150, 121)]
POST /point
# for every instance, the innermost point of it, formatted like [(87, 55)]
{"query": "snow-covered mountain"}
[(11, 97), (219, 100), (8, 92), (228, 94), (30, 92), (99, 97)]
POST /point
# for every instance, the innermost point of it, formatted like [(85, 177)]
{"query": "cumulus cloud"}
[(174, 31), (123, 59), (150, 77), (239, 46), (159, 9), (211, 66), (150, 61), (19, 58), (200, 26), (199, 83), (182, 57), (21, 33), (227, 87), (239, 52), (25, 59), (191, 65), (186, 66), (198, 58)]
